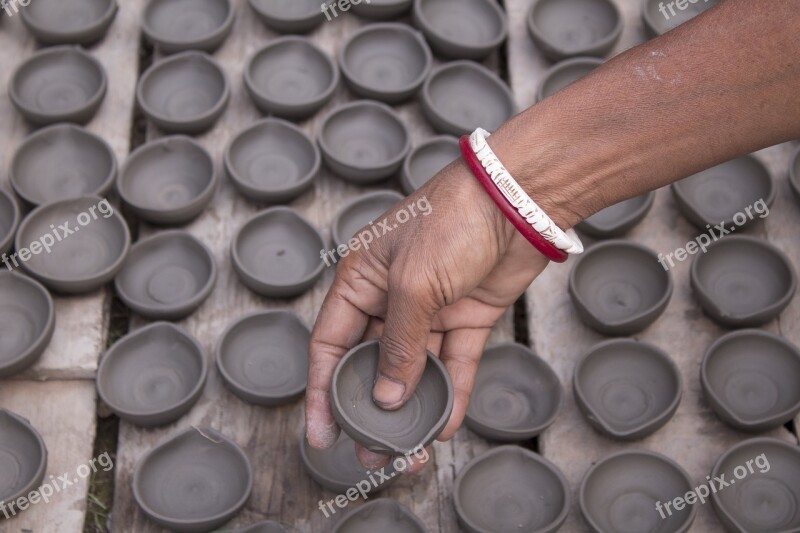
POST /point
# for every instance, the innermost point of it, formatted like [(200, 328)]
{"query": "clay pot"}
[(9, 220), (295, 16), (23, 459), (384, 515), (618, 219), (564, 73), (794, 173), (28, 319), (81, 22), (657, 23), (181, 25), (381, 9), (461, 29), (570, 28), (361, 211), (428, 159)]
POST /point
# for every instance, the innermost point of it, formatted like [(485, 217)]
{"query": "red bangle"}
[(547, 248)]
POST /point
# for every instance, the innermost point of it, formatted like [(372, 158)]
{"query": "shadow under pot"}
[(511, 489), (290, 77), (184, 93), (263, 357), (169, 181), (364, 141), (28, 320), (516, 394), (449, 95), (268, 526), (277, 253), (565, 73), (59, 84), (618, 219), (386, 62), (362, 211), (384, 515), (794, 173), (619, 287), (659, 17), (750, 378), (426, 160), (61, 162), (89, 244), (743, 281), (23, 459), (737, 192), (381, 9), (398, 432), (292, 16), (622, 492), (167, 276), (765, 496), (337, 468), (461, 29), (567, 28), (153, 376), (54, 22), (9, 220), (194, 482), (181, 25), (272, 161), (627, 389)]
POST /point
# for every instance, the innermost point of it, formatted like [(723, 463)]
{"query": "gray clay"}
[(81, 22), (360, 212), (461, 29), (564, 73), (618, 219), (382, 9), (9, 220), (28, 318), (289, 16), (23, 459), (180, 25), (267, 526), (656, 23), (794, 173), (384, 516), (428, 159), (568, 28)]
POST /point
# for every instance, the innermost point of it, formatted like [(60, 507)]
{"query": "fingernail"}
[(388, 393)]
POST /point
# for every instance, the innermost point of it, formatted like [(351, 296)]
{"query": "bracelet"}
[(526, 216)]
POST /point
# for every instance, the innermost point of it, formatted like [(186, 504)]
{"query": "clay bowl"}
[(384, 515), (516, 394), (291, 77), (656, 23), (337, 469), (364, 141), (397, 432), (564, 73), (764, 498), (167, 276), (620, 492), (382, 9), (59, 84), (569, 28), (82, 261), (9, 220), (277, 253), (27, 321), (272, 161), (743, 281), (180, 25), (619, 287), (750, 379), (263, 357), (510, 489), (152, 376), (267, 526), (716, 195), (23, 459), (450, 92), (428, 159), (361, 211), (69, 22), (461, 29), (627, 389), (794, 173), (194, 482), (289, 16), (184, 93), (618, 219), (61, 162), (386, 62), (168, 181)]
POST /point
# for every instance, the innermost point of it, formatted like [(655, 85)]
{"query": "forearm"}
[(722, 85)]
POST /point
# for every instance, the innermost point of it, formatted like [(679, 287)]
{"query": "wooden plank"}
[(81, 322), (63, 413), (271, 436)]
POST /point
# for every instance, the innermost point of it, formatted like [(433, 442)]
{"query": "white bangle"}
[(567, 241)]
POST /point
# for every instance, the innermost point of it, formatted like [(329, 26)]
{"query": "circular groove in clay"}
[(743, 281), (27, 321), (194, 482), (618, 219), (428, 159), (289, 16), (627, 389), (564, 73), (750, 378), (569, 28), (62, 162), (461, 29), (361, 211), (619, 288), (382, 515), (656, 23), (381, 9), (450, 94), (58, 84), (10, 216), (23, 458), (83, 22), (180, 25), (417, 423), (263, 357), (153, 376), (291, 77), (516, 394), (510, 489)]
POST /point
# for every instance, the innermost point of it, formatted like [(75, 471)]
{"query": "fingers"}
[(412, 463), (371, 460)]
